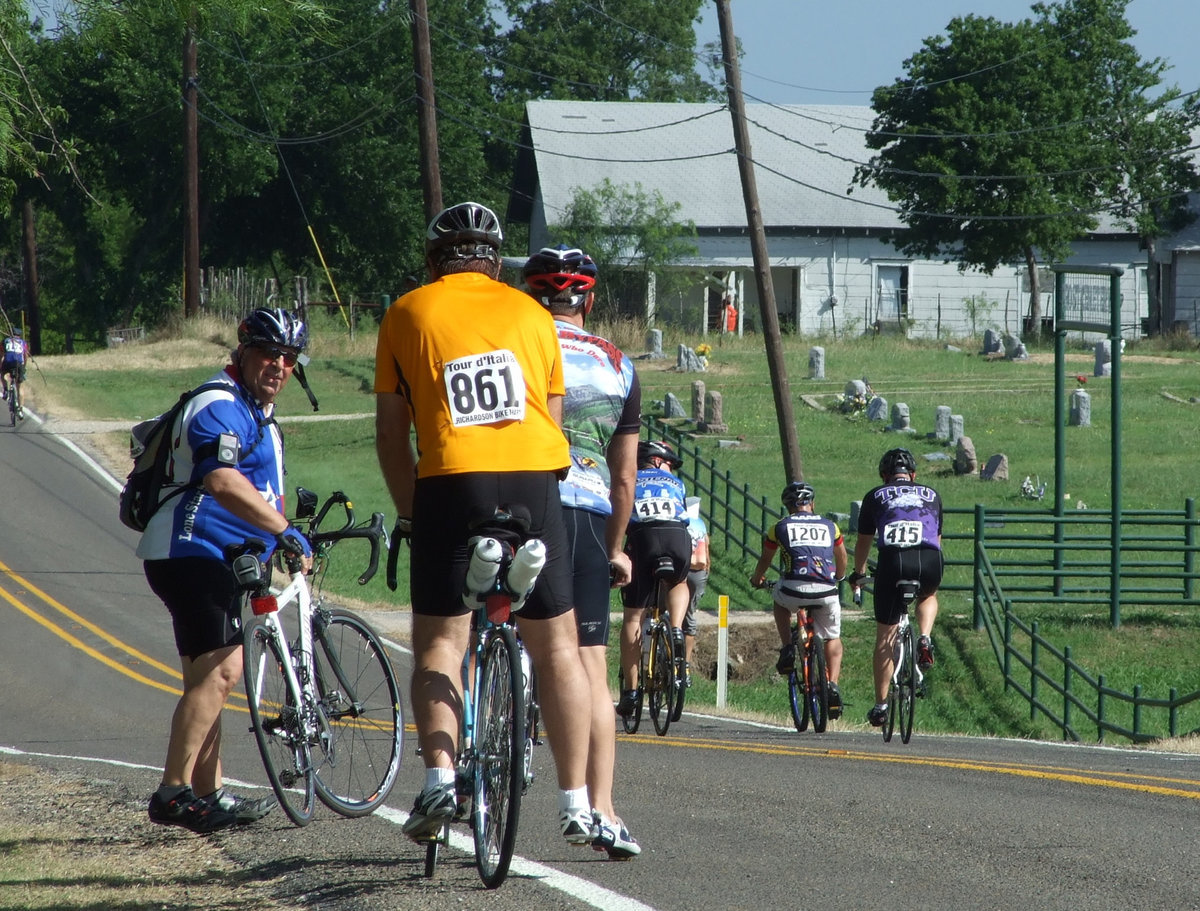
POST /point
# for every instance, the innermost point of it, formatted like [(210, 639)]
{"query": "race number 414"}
[(485, 388)]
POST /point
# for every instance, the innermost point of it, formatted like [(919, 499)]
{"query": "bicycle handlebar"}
[(373, 531)]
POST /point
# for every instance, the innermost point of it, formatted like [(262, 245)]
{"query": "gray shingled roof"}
[(807, 156)]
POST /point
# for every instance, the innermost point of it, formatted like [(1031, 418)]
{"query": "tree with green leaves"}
[(1004, 143), (630, 233)]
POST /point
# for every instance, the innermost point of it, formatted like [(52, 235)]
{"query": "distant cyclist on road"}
[(658, 528), (16, 354), (904, 519), (816, 559)]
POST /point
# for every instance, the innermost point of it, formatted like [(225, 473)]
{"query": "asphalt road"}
[(730, 815)]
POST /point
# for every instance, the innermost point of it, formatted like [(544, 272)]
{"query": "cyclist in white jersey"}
[(601, 418)]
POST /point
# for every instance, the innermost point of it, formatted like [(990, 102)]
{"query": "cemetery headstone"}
[(956, 428), (991, 342), (941, 423), (1103, 357), (697, 401), (877, 409), (965, 461), (673, 408), (816, 363), (654, 343), (996, 468), (1081, 409)]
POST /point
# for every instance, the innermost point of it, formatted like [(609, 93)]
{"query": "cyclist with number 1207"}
[(816, 559), (474, 366), (904, 519)]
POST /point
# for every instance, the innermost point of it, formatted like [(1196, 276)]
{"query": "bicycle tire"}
[(500, 751), (906, 698), (680, 688), (358, 760), (533, 717), (275, 719), (14, 395), (433, 848), (818, 689), (889, 724), (631, 722), (661, 681), (799, 704)]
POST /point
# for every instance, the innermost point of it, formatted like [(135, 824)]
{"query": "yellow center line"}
[(174, 673), (1188, 788)]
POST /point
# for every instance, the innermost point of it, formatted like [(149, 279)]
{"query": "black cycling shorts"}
[(444, 507), (204, 600), (14, 367), (590, 574), (895, 563), (645, 543)]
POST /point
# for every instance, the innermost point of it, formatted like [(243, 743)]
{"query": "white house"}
[(832, 267)]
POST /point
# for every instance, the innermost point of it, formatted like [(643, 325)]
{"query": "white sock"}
[(438, 776), (573, 800)]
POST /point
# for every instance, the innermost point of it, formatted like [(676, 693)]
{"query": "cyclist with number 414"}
[(658, 528), (816, 559), (904, 520)]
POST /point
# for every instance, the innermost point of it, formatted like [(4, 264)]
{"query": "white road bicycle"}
[(907, 680), (325, 707)]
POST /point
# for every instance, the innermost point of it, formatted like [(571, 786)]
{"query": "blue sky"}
[(838, 51)]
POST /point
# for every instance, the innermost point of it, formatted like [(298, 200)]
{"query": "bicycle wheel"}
[(13, 393), (906, 702), (661, 679), (630, 722), (679, 688), (818, 689), (358, 758), (500, 752), (796, 698), (533, 716), (433, 848), (276, 720), (889, 724)]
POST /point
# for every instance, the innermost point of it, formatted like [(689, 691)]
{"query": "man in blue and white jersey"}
[(226, 471), (658, 528), (904, 520), (601, 418)]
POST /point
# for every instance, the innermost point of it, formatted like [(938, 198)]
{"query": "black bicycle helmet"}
[(466, 231), (797, 494), (897, 461), (560, 268), (657, 449), (273, 327)]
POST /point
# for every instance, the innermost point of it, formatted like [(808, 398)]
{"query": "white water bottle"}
[(527, 562), (482, 571)]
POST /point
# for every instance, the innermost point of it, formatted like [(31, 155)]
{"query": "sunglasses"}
[(271, 353)]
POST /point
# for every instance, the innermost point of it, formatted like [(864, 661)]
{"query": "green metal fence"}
[(1014, 557), (1057, 687)]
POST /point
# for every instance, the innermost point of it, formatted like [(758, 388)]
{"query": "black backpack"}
[(150, 444)]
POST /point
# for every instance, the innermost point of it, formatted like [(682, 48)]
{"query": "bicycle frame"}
[(340, 701)]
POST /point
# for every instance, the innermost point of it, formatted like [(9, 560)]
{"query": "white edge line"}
[(91, 463), (585, 891)]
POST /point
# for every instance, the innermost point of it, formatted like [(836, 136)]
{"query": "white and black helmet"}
[(273, 327), (464, 231)]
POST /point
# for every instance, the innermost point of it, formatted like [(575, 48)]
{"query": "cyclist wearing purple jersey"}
[(904, 520)]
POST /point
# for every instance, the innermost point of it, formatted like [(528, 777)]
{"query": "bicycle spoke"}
[(359, 759), (277, 723)]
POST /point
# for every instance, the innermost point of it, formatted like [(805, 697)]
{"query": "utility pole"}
[(191, 177), (431, 173), (758, 247)]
